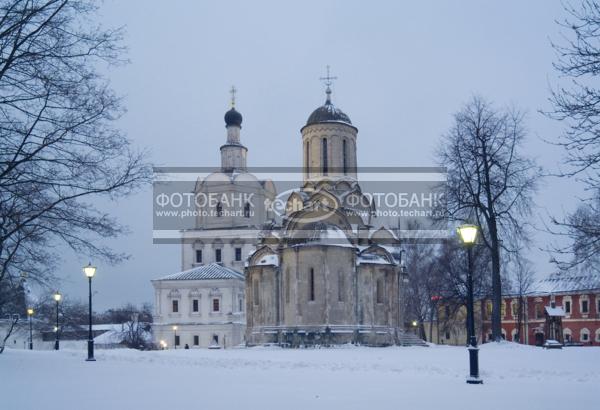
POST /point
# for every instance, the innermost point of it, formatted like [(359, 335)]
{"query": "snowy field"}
[(515, 377)]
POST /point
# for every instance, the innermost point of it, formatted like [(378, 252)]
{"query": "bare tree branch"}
[(59, 146)]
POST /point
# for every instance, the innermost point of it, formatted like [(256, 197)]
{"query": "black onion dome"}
[(328, 113), (232, 117)]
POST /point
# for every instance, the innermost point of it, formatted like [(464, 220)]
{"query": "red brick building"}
[(577, 294)]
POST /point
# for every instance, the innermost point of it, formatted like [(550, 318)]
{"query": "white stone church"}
[(322, 273), (327, 274), (204, 305)]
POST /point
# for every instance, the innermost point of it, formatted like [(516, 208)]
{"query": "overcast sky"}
[(404, 68)]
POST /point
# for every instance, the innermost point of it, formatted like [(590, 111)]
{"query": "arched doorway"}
[(539, 338)]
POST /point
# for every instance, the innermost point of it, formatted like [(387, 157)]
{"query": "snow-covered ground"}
[(515, 377)]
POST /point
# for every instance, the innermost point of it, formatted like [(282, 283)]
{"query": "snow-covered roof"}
[(567, 281), (383, 230), (555, 311), (375, 254), (333, 236), (372, 258), (110, 337), (210, 271), (117, 334), (268, 260), (322, 234), (108, 326)]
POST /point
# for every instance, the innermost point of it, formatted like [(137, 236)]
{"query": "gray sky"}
[(403, 69)]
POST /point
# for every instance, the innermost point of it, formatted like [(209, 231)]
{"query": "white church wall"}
[(206, 322), (228, 251)]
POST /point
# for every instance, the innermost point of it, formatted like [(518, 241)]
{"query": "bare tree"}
[(522, 278), (489, 181), (138, 327), (424, 284), (452, 263), (136, 322), (12, 306), (12, 321), (576, 103), (59, 147)]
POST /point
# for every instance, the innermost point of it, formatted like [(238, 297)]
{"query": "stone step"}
[(410, 339)]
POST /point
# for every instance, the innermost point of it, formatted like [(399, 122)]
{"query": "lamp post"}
[(30, 315), (175, 337), (57, 297), (468, 236), (90, 271)]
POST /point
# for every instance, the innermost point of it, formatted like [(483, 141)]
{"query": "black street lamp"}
[(468, 236), (57, 297), (30, 315), (90, 271), (175, 334)]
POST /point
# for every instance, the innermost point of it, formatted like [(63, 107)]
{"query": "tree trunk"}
[(13, 322), (431, 316), (496, 284)]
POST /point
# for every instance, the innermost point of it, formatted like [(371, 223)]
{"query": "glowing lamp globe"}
[(89, 270), (468, 234)]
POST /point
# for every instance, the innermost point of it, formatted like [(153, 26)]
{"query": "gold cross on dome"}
[(232, 92), (328, 81)]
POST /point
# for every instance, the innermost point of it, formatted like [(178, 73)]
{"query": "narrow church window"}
[(241, 305), (379, 291), (247, 210), (238, 254), (311, 285), (196, 340), (195, 305), (344, 157), (216, 305), (340, 287), (255, 291), (177, 340), (287, 286), (324, 159), (307, 159), (199, 256), (219, 210), (175, 306), (218, 255)]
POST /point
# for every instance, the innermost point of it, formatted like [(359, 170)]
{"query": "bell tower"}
[(329, 141), (233, 153)]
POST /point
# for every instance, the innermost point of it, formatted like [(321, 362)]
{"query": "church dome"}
[(232, 117), (328, 113)]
